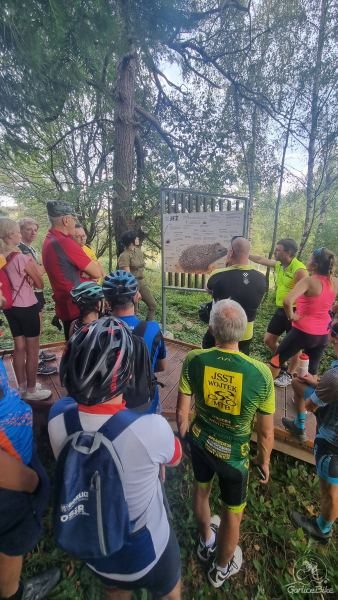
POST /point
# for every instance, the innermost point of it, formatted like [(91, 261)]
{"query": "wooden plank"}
[(176, 352)]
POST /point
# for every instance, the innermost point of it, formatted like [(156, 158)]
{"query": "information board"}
[(197, 242)]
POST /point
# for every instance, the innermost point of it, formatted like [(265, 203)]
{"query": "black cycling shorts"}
[(21, 525), (163, 576), (233, 482), (279, 323), (24, 320), (296, 340), (326, 457)]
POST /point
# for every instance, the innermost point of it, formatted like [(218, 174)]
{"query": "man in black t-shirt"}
[(241, 282)]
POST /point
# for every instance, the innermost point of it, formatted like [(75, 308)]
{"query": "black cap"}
[(59, 208)]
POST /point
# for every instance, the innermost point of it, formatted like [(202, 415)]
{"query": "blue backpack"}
[(91, 518)]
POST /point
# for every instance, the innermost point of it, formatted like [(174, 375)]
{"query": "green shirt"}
[(134, 260), (285, 278), (229, 388)]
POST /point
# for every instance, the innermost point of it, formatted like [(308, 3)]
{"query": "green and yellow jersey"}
[(229, 388), (285, 279)]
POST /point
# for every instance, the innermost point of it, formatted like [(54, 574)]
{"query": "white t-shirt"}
[(142, 447)]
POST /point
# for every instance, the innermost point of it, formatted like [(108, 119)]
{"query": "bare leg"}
[(10, 571), (228, 536), (298, 394), (202, 509), (293, 362), (271, 341), (32, 361), (274, 370), (329, 500), (19, 360), (117, 594)]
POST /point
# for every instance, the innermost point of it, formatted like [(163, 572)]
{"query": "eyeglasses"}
[(333, 328)]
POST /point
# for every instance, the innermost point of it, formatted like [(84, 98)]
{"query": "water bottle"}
[(303, 365)]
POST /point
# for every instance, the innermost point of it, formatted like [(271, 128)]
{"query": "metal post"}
[(164, 303)]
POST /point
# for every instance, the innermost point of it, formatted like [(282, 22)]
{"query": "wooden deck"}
[(176, 352)]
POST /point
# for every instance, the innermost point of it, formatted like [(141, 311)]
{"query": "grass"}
[(271, 545)]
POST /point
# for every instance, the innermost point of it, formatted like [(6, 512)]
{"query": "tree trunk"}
[(279, 193), (124, 143), (314, 126)]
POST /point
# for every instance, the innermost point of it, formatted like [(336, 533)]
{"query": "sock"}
[(300, 420), (211, 540), (324, 526), (223, 569)]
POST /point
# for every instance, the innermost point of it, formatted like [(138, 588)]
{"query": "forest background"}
[(102, 102)]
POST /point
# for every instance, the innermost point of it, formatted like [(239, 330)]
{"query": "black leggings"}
[(296, 340)]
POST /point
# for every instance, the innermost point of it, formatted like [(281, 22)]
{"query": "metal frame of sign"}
[(181, 200)]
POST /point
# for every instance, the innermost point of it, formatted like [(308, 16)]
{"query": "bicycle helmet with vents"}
[(98, 361), (119, 284), (87, 293)]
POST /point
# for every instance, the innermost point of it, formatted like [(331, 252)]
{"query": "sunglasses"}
[(333, 329)]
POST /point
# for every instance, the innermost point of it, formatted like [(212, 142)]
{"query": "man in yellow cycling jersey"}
[(288, 271)]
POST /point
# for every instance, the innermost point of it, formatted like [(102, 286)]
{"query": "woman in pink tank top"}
[(314, 297), (307, 306), (23, 316)]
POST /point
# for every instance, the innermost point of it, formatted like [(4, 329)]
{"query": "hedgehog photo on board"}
[(199, 258)]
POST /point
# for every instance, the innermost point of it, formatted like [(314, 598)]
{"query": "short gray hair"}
[(228, 321), (55, 221)]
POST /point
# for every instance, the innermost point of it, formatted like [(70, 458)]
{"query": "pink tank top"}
[(23, 295), (314, 310)]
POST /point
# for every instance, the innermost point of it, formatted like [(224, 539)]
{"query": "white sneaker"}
[(283, 380), (204, 552), (218, 576), (39, 394)]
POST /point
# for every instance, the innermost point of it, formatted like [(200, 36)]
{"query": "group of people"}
[(106, 409)]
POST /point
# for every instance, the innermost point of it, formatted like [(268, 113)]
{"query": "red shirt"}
[(63, 260)]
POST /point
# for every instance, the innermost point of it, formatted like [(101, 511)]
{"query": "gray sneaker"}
[(217, 576), (204, 552), (44, 369), (290, 426), (309, 525), (46, 356), (283, 380)]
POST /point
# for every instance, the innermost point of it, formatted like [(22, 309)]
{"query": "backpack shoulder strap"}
[(140, 329), (72, 420), (115, 425)]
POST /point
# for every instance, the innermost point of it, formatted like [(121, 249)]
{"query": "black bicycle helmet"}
[(98, 361), (87, 293), (119, 284)]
